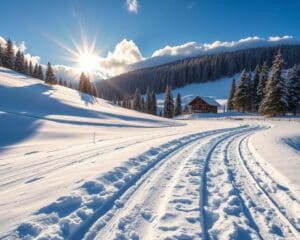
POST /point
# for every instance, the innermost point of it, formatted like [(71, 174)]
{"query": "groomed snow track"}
[(204, 186)]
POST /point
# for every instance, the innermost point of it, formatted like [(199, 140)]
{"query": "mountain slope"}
[(194, 70)]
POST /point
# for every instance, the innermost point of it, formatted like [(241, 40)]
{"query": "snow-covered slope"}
[(76, 167)]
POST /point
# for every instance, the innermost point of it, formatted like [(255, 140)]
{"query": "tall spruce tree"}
[(149, 108), (8, 55), (241, 97), (230, 102), (1, 55), (25, 66), (263, 78), (40, 73), (19, 62), (137, 105), (178, 107), (168, 103), (275, 101), (30, 69), (255, 82), (50, 76), (35, 72), (293, 84), (154, 103)]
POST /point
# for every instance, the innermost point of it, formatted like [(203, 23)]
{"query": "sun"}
[(87, 62)]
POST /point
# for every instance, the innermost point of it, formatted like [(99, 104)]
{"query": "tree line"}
[(149, 103), (194, 70), (269, 91), (19, 63)]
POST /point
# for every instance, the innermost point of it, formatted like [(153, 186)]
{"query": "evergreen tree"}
[(254, 94), (293, 84), (35, 72), (250, 91), (178, 107), (25, 66), (8, 56), (143, 104), (275, 100), (154, 103), (18, 62), (30, 69), (94, 90), (169, 103), (85, 84), (241, 97), (149, 108), (137, 105), (230, 102), (263, 78), (50, 76), (60, 81), (1, 55), (40, 73)]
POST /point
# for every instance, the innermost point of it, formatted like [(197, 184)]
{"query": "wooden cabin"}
[(203, 105)]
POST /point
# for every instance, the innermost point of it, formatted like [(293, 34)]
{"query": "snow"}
[(77, 167)]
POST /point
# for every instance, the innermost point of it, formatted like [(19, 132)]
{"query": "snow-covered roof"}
[(208, 100)]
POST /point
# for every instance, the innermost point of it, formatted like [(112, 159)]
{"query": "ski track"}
[(202, 186)]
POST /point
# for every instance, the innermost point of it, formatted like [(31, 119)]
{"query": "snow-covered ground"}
[(77, 167)]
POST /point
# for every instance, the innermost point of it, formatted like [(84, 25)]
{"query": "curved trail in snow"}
[(203, 186)]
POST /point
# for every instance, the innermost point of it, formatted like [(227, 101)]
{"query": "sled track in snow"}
[(203, 186), (234, 199)]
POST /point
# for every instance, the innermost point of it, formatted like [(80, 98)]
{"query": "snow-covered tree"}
[(230, 102), (154, 103), (169, 103), (137, 105), (293, 84), (263, 78), (149, 104), (241, 97), (50, 76), (275, 101), (8, 55), (1, 55), (178, 107)]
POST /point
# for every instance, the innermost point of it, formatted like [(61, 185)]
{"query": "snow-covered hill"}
[(76, 167)]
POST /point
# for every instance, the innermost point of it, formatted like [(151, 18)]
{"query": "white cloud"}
[(118, 61), (132, 6)]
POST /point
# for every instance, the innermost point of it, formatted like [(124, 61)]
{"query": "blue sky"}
[(155, 24)]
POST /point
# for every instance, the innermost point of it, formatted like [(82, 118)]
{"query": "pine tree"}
[(154, 103), (94, 90), (60, 81), (293, 84), (8, 56), (18, 62), (85, 84), (169, 103), (255, 82), (1, 55), (50, 77), (230, 102), (178, 107), (275, 100), (25, 66), (35, 72), (40, 73), (250, 91), (137, 100), (143, 104), (241, 97), (30, 69), (149, 108), (263, 78)]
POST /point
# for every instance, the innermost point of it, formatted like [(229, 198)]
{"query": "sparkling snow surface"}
[(76, 167)]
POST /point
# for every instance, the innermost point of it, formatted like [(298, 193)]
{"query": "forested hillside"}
[(194, 70)]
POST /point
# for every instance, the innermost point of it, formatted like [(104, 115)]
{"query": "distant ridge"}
[(194, 70)]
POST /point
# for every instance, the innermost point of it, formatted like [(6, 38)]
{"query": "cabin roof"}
[(208, 100)]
